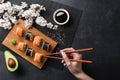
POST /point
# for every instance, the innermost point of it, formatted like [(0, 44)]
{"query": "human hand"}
[(74, 67)]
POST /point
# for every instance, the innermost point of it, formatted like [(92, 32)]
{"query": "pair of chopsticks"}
[(68, 52), (83, 61), (75, 51)]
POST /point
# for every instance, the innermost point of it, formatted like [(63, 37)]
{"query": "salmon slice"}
[(38, 57), (37, 40), (19, 31), (21, 46)]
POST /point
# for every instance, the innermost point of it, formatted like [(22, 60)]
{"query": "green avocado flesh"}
[(8, 56)]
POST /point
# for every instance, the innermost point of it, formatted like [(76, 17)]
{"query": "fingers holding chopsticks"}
[(66, 60), (75, 56), (74, 65), (67, 57)]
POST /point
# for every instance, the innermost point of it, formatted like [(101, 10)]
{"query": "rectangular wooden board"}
[(12, 35)]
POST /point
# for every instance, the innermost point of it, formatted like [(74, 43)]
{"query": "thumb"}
[(66, 59)]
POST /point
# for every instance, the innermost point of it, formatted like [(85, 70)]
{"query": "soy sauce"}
[(61, 16)]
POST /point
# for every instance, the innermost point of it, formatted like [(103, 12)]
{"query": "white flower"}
[(2, 21), (10, 27), (5, 16), (17, 8), (24, 5), (34, 6), (7, 25), (7, 5), (34, 15), (4, 26), (28, 13), (13, 19), (41, 21), (37, 7), (28, 23), (20, 13), (1, 8), (11, 11), (55, 27), (49, 25), (37, 14), (42, 8)]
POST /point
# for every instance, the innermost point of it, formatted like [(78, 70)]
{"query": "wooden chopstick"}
[(83, 61), (75, 51)]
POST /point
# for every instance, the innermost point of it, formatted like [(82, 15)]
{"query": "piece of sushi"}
[(22, 46), (29, 52), (37, 41), (38, 58), (45, 46), (19, 31), (29, 36)]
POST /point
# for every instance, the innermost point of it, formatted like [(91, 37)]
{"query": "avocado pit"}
[(11, 63)]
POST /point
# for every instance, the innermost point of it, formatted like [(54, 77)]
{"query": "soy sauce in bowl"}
[(61, 16)]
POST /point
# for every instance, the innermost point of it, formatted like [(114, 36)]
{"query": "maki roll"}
[(38, 58), (45, 46), (19, 31), (29, 52), (37, 41), (29, 36), (22, 46)]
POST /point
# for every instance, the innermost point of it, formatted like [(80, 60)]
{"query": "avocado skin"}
[(8, 55)]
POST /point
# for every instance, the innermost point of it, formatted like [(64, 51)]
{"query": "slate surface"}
[(64, 36), (99, 28)]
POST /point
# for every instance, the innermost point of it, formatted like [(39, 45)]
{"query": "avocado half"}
[(8, 55)]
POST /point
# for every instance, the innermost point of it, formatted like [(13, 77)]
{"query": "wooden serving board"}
[(12, 35)]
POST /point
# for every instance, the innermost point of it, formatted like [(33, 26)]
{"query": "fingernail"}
[(64, 64), (62, 52)]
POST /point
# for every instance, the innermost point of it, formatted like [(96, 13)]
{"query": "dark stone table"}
[(99, 27)]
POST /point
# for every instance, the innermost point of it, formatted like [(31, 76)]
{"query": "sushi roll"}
[(29, 36), (29, 52), (38, 58), (19, 31), (45, 46), (22, 46), (37, 41)]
